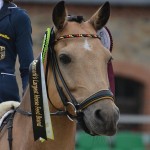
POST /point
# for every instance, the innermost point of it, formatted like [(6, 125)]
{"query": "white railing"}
[(134, 119)]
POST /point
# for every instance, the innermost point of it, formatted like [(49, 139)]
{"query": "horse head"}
[(82, 62)]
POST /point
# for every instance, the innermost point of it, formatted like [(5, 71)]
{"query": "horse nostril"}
[(98, 115)]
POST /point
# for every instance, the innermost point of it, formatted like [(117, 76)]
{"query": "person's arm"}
[(23, 44)]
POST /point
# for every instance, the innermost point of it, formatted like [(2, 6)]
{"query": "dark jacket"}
[(15, 39)]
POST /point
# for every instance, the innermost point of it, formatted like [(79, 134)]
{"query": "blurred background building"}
[(130, 27)]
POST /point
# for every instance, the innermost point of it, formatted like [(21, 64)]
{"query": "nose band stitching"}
[(99, 99)]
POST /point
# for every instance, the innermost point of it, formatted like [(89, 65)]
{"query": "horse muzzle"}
[(98, 115), (103, 119)]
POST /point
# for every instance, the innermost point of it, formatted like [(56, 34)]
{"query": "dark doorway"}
[(128, 98)]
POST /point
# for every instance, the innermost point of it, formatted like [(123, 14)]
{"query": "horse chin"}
[(98, 128)]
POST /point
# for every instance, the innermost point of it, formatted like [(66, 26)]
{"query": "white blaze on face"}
[(87, 45)]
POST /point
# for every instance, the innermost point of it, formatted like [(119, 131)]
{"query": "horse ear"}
[(100, 18), (59, 15)]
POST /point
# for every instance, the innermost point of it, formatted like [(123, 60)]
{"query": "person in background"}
[(15, 40)]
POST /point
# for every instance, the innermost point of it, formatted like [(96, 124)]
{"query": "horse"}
[(78, 64)]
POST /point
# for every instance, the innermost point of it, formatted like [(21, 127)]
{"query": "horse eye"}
[(65, 59)]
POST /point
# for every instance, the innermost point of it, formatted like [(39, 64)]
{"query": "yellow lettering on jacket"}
[(4, 36)]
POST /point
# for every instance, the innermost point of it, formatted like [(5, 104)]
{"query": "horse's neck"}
[(64, 130)]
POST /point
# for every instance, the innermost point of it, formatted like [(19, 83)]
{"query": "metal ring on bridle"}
[(69, 114)]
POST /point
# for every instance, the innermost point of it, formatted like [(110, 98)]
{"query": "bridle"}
[(71, 102)]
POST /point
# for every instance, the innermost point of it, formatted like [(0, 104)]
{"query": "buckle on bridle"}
[(71, 111)]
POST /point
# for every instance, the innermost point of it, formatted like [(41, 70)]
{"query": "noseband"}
[(71, 102)]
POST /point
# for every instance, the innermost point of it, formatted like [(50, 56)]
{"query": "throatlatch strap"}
[(9, 127)]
